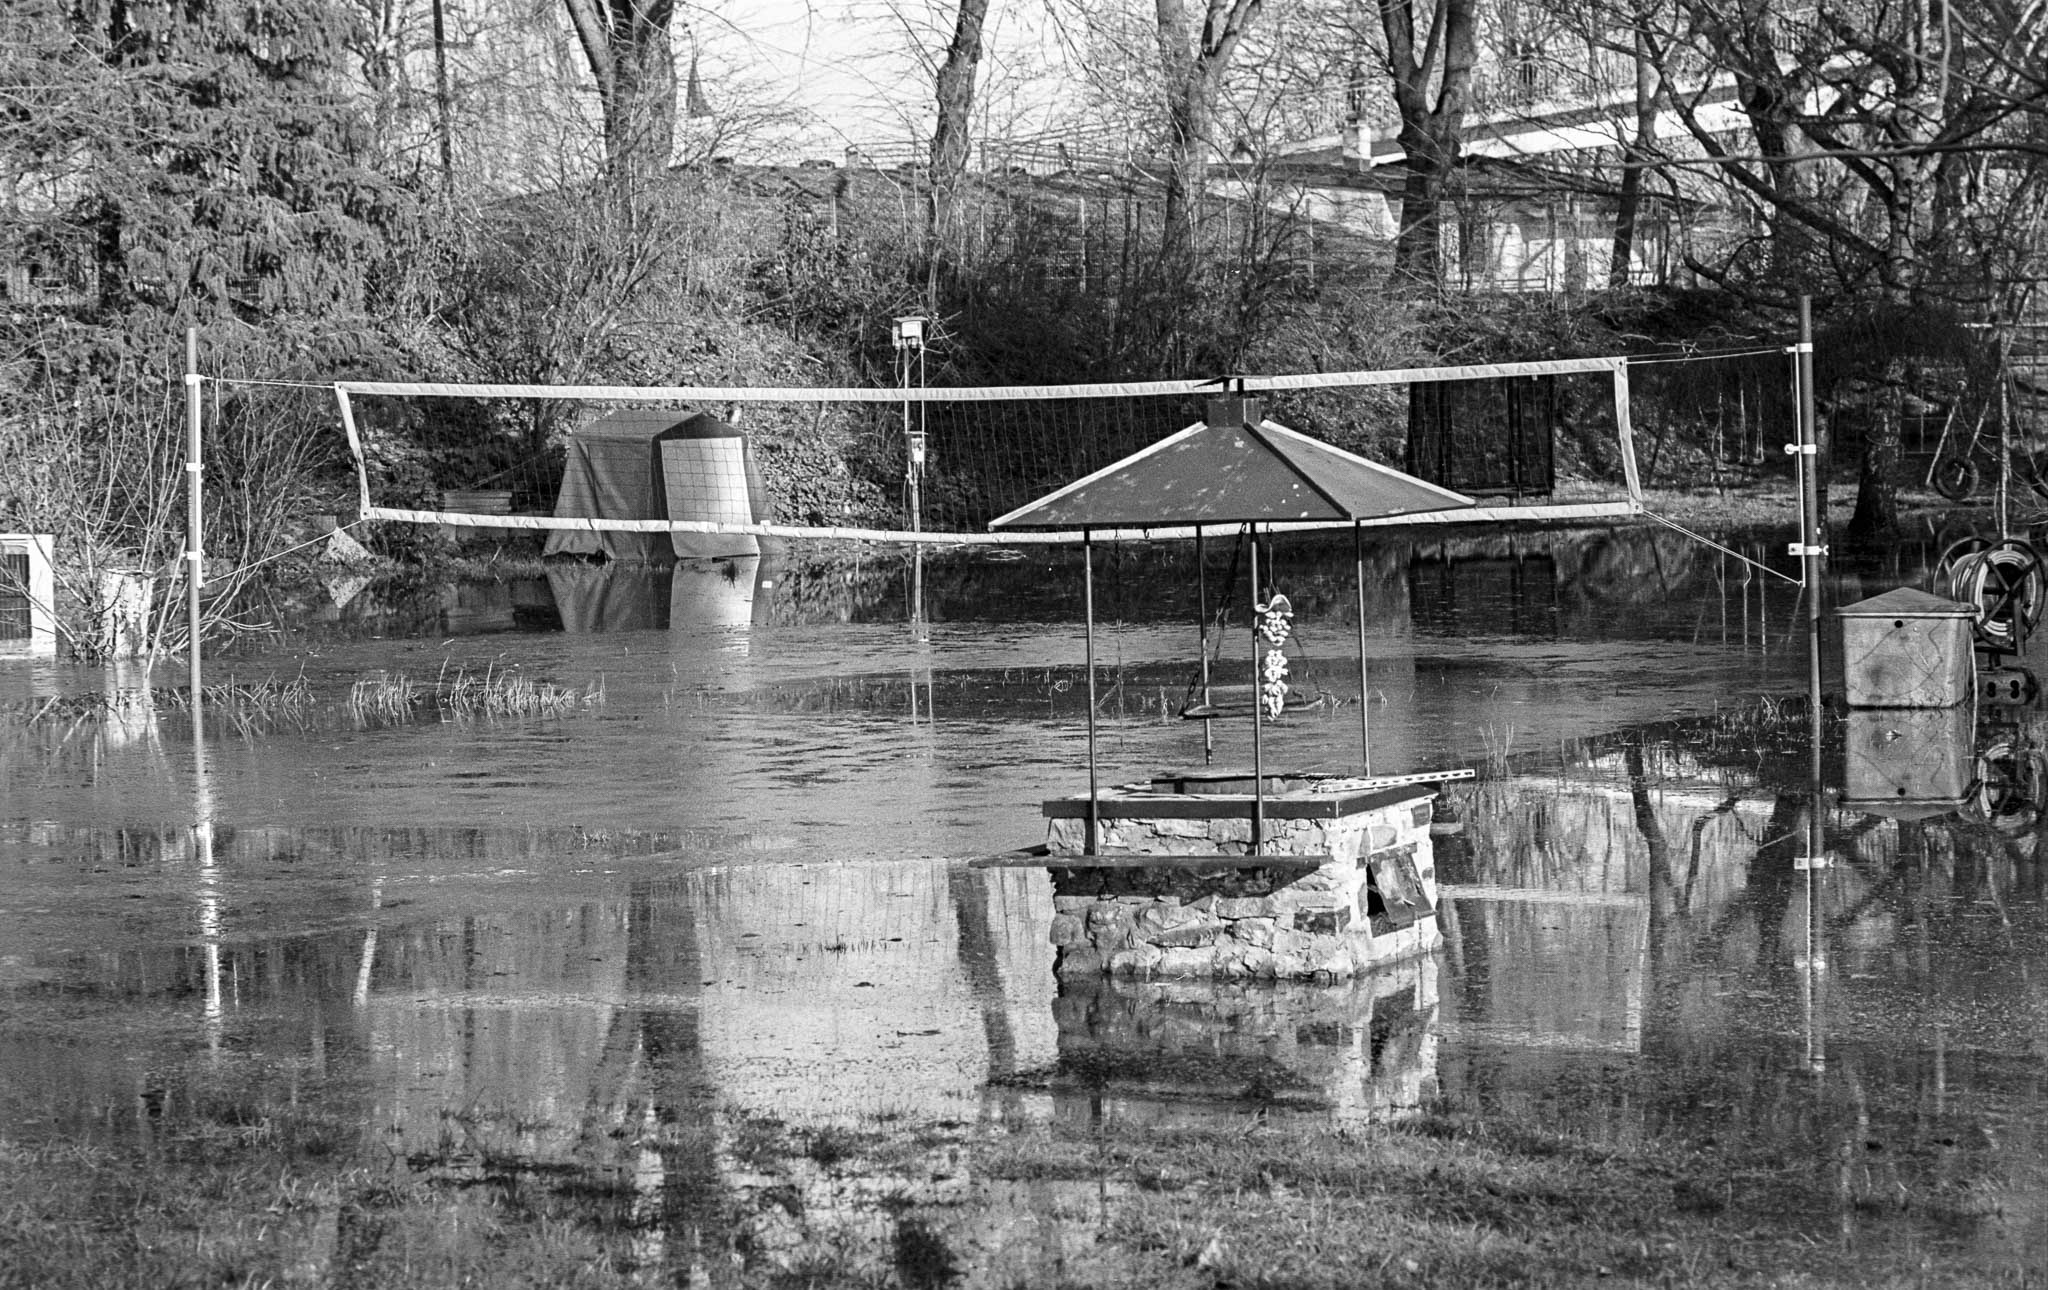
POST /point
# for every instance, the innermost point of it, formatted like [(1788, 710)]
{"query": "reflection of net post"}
[(908, 339)]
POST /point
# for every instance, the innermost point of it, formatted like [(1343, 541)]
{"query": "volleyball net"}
[(1533, 442)]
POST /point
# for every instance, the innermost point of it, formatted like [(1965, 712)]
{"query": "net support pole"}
[(1088, 655), (195, 532), (1810, 548), (1258, 716), (1364, 672), (1813, 980), (1625, 433), (355, 451)]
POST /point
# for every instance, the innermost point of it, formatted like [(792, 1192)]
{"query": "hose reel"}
[(2003, 581)]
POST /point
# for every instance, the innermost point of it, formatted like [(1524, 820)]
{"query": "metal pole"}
[(195, 533), (1364, 674), (910, 352), (909, 460), (1202, 607), (1813, 975), (1810, 549), (1258, 715), (1811, 553), (1088, 617)]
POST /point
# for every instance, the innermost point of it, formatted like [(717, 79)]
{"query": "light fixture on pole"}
[(908, 338), (910, 332)]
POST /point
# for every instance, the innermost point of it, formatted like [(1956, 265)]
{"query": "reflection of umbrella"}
[(1237, 469)]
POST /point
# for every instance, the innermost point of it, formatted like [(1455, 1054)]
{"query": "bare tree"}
[(1637, 147), (631, 55), (1194, 65), (950, 137), (1851, 123), (1431, 66)]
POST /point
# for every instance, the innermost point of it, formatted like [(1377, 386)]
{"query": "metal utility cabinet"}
[(1907, 649)]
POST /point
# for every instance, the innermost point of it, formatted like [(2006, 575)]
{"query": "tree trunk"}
[(1911, 127), (1876, 518), (1432, 83), (952, 135), (1636, 152), (1418, 248), (627, 45), (444, 110), (1193, 66)]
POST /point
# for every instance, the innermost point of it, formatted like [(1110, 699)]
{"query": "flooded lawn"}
[(683, 980)]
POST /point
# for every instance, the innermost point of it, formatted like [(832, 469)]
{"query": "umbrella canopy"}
[(1233, 472)]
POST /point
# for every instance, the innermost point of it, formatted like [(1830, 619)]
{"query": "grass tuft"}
[(386, 697)]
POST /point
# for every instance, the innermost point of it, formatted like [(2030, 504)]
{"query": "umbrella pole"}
[(1258, 715), (1202, 608), (1364, 674), (1088, 615)]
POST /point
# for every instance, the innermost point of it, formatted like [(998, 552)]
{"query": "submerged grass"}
[(270, 704), (393, 696), (269, 699)]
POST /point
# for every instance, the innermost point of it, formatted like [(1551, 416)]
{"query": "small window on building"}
[(15, 623), (1525, 69)]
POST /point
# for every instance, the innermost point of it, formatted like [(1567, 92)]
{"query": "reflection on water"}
[(1360, 1051), (1624, 583), (705, 966), (693, 594)]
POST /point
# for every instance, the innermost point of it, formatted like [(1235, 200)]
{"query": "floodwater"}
[(731, 891)]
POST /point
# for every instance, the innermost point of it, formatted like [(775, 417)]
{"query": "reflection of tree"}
[(1671, 894), (979, 957), (1860, 1103), (653, 1091), (1634, 566)]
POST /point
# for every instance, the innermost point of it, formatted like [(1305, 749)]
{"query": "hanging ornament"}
[(1275, 622)]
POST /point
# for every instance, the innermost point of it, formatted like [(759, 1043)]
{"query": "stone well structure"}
[(1341, 880)]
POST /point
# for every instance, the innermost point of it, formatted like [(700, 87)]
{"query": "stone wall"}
[(1363, 906)]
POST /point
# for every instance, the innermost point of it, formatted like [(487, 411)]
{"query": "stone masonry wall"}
[(1268, 922)]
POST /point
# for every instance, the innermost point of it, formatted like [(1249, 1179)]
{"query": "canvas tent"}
[(659, 464)]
